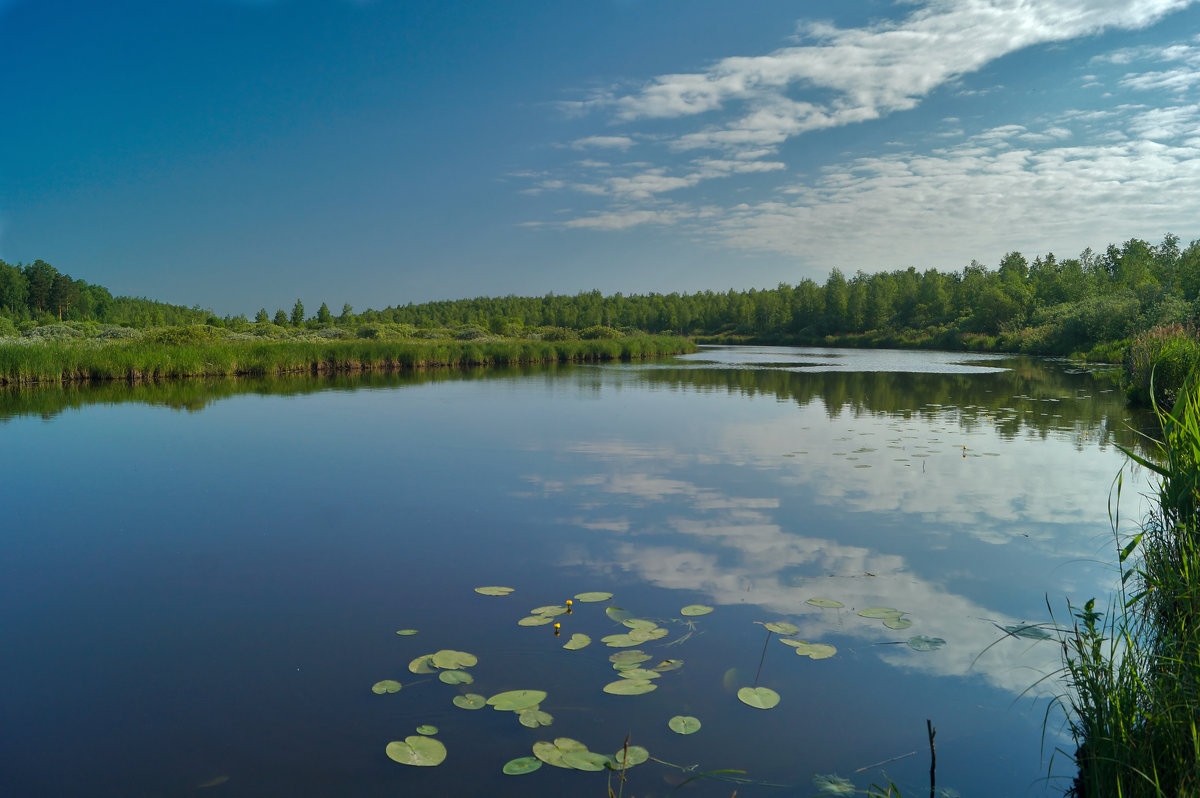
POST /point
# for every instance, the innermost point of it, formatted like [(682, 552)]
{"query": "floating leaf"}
[(422, 664), (824, 602), (427, 729), (898, 623), (923, 643), (469, 701), (696, 609), (1029, 631), (550, 610), (639, 673), (629, 656), (536, 620), (549, 753), (630, 687), (521, 765), (618, 641), (782, 627), (684, 724), (386, 686), (633, 755), (644, 635), (668, 665), (568, 744), (450, 659), (514, 700), (833, 784), (417, 750), (577, 642), (593, 596), (813, 650), (533, 718), (880, 612), (617, 614), (586, 760), (493, 590), (456, 677), (639, 623), (758, 697), (406, 632)]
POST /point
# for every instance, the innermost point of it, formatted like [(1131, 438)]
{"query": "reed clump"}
[(1134, 675), (176, 353)]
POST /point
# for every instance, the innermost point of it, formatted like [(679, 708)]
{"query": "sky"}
[(237, 154)]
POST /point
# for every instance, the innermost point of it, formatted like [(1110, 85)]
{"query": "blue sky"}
[(239, 154)]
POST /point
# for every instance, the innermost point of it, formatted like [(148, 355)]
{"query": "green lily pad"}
[(593, 596), (696, 609), (456, 677), (639, 673), (812, 650), (469, 701), (630, 687), (643, 635), (633, 755), (417, 750), (521, 765), (668, 665), (450, 659), (639, 623), (684, 724), (549, 753), (824, 602), (782, 627), (586, 760), (568, 744), (617, 614), (898, 623), (923, 643), (758, 697), (406, 632), (833, 784), (386, 686), (536, 620), (515, 700), (629, 656), (618, 641), (880, 612), (1029, 631), (426, 729), (577, 642), (533, 718), (493, 590), (422, 664), (550, 610)]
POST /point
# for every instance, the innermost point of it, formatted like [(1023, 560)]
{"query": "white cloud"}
[(611, 142)]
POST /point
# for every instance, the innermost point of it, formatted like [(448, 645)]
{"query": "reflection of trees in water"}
[(1031, 397)]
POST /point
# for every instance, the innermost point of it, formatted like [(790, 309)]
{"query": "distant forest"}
[(1044, 306)]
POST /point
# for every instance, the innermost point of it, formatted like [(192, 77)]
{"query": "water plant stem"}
[(762, 659)]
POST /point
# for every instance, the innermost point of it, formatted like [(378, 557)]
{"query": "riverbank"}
[(96, 360)]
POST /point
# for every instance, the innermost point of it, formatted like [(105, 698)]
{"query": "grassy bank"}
[(1134, 674), (93, 360)]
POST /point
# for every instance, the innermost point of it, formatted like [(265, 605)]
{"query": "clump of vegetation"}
[(1158, 364), (1134, 675)]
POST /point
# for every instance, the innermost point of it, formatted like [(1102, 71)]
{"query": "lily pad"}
[(898, 623), (1028, 631), (696, 609), (521, 765), (422, 664), (417, 750), (812, 650), (617, 614), (586, 760), (515, 700), (593, 596), (406, 632), (618, 641), (668, 665), (880, 612), (639, 623), (630, 687), (758, 697), (824, 602), (386, 686), (568, 744), (782, 627), (493, 590), (644, 635), (639, 673), (577, 642), (533, 718), (456, 677), (536, 620), (469, 701), (629, 656), (924, 643), (549, 753), (450, 659), (549, 610), (684, 724), (633, 755), (427, 730)]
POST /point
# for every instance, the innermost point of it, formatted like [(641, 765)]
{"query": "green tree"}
[(323, 315), (297, 313), (347, 316), (281, 317), (261, 317)]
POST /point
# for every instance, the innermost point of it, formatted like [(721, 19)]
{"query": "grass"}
[(1134, 674), (150, 359)]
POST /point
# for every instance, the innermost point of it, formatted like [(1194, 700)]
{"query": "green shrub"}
[(1164, 357), (555, 334), (599, 331), (183, 334)]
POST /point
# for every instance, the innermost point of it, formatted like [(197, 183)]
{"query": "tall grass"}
[(150, 359), (1134, 675)]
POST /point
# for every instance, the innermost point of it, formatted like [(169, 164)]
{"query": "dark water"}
[(202, 581)]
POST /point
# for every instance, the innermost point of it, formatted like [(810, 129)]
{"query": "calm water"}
[(202, 581)]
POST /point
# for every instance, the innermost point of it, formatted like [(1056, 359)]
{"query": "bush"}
[(1164, 356), (555, 334), (470, 333), (7, 328), (183, 334), (599, 331), (55, 332)]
